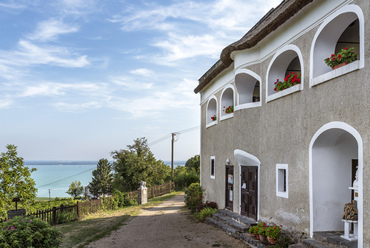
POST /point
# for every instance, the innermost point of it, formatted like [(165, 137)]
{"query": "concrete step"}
[(237, 217), (328, 239), (226, 228), (231, 222)]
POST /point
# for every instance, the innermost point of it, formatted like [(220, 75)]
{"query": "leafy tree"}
[(136, 164), (102, 179), (15, 180), (193, 163), (75, 189)]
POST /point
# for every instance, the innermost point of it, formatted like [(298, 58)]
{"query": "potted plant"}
[(290, 80), (253, 231), (262, 231), (214, 118), (229, 109), (344, 57), (273, 233)]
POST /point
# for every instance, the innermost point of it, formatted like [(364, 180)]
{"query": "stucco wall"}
[(280, 132)]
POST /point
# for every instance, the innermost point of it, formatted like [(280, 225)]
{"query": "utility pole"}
[(172, 146), (49, 199)]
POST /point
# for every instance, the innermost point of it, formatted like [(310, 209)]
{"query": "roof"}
[(269, 23)]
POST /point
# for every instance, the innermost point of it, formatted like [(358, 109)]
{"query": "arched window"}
[(285, 73), (211, 115), (343, 29), (227, 103), (248, 89)]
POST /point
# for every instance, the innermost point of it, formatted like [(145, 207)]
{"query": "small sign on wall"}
[(230, 179), (231, 195)]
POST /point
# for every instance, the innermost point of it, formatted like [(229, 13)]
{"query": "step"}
[(239, 218), (219, 224), (252, 241), (334, 238), (231, 222), (313, 243)]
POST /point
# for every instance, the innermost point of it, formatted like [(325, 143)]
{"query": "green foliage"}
[(119, 197), (253, 229), (137, 164), (273, 232), (261, 228), (28, 232), (15, 180), (206, 212), (75, 189), (345, 55), (283, 242), (102, 179), (194, 196), (184, 176), (193, 163), (290, 80)]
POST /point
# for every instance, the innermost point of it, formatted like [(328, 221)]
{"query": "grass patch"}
[(101, 224)]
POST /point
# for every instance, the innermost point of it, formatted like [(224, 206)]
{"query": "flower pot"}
[(340, 65), (271, 240), (257, 237), (262, 237)]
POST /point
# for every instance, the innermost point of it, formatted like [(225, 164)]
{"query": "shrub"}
[(210, 204), (119, 197), (194, 196), (206, 212), (28, 232)]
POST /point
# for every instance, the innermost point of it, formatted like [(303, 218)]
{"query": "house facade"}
[(291, 157)]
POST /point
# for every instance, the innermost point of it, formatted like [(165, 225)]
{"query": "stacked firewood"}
[(350, 211)]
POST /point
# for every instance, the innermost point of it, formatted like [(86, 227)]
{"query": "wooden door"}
[(229, 187), (249, 190)]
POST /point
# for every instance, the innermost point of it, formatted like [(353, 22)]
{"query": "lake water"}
[(58, 175)]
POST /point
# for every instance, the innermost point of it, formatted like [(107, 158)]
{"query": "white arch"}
[(245, 158), (357, 136), (223, 117), (316, 63), (286, 49), (255, 76), (208, 124)]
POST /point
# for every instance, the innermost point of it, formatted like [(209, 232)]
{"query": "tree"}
[(15, 180), (75, 189), (137, 164), (193, 163), (102, 179)]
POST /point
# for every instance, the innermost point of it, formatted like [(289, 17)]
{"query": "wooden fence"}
[(64, 214)]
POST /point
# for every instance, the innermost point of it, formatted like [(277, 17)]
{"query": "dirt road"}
[(167, 225)]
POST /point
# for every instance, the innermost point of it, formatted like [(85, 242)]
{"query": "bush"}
[(210, 204), (119, 197), (194, 196), (28, 232), (206, 212)]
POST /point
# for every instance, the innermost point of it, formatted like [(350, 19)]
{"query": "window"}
[(227, 103), (211, 114), (287, 61), (248, 89), (344, 28), (282, 180), (212, 166)]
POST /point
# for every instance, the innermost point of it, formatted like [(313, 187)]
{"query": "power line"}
[(169, 135), (66, 178)]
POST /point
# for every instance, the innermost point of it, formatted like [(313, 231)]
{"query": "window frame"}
[(282, 180), (212, 158)]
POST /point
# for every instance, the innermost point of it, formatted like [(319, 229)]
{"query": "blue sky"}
[(81, 78)]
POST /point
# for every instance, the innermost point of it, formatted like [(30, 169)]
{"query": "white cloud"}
[(143, 72), (50, 29), (30, 53), (132, 84), (77, 107), (12, 5), (5, 103)]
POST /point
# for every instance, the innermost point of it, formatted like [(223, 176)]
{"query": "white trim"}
[(212, 123), (279, 193), (291, 89), (335, 73), (247, 159), (251, 104), (357, 136), (210, 167), (351, 8), (227, 116)]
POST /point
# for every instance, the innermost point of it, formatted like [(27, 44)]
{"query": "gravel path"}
[(167, 225)]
